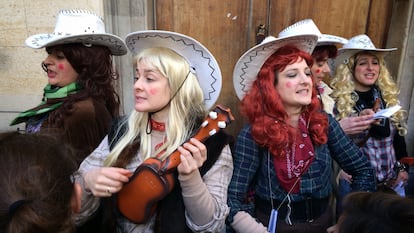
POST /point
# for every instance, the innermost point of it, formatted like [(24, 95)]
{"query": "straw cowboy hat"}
[(303, 35), (78, 26), (357, 44), (201, 61)]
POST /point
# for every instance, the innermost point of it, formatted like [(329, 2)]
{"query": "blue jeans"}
[(344, 187)]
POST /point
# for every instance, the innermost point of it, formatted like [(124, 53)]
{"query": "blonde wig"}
[(343, 87), (186, 110)]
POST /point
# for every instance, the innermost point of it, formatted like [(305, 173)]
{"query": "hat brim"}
[(249, 64), (199, 57), (115, 44), (345, 53), (326, 39)]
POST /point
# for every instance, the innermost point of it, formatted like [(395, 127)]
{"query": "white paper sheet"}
[(386, 113)]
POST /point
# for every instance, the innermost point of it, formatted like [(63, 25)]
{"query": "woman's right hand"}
[(245, 223), (332, 229), (105, 181), (345, 176), (357, 124)]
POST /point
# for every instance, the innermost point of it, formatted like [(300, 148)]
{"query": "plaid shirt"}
[(380, 152), (252, 163)]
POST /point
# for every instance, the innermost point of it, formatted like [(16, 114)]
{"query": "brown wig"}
[(376, 212), (264, 109), (96, 76), (322, 51), (36, 184)]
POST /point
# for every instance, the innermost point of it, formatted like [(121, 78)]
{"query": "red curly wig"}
[(265, 112)]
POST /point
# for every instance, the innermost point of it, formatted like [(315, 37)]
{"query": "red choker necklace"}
[(155, 125)]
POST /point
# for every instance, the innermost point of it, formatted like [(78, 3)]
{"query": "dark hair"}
[(263, 106), (321, 51), (96, 76), (377, 212), (36, 185)]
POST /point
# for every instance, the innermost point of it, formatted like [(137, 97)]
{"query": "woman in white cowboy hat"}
[(363, 85), (79, 101), (325, 50), (285, 152), (176, 81)]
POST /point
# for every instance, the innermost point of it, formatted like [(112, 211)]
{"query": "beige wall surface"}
[(21, 77)]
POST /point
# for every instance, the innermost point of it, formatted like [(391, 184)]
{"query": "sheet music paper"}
[(386, 113)]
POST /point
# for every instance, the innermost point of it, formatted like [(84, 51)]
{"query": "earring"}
[(44, 67)]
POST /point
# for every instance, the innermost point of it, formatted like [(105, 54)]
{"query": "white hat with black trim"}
[(302, 35), (201, 60)]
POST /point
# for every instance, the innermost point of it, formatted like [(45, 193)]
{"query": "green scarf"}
[(52, 99)]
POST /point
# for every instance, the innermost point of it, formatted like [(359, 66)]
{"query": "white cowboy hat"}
[(327, 39), (301, 35), (307, 26), (78, 26), (201, 61), (357, 44)]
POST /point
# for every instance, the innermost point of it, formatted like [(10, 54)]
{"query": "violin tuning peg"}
[(212, 132), (213, 115), (221, 124), (204, 124)]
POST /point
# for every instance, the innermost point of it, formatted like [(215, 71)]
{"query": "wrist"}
[(80, 179), (399, 167)]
